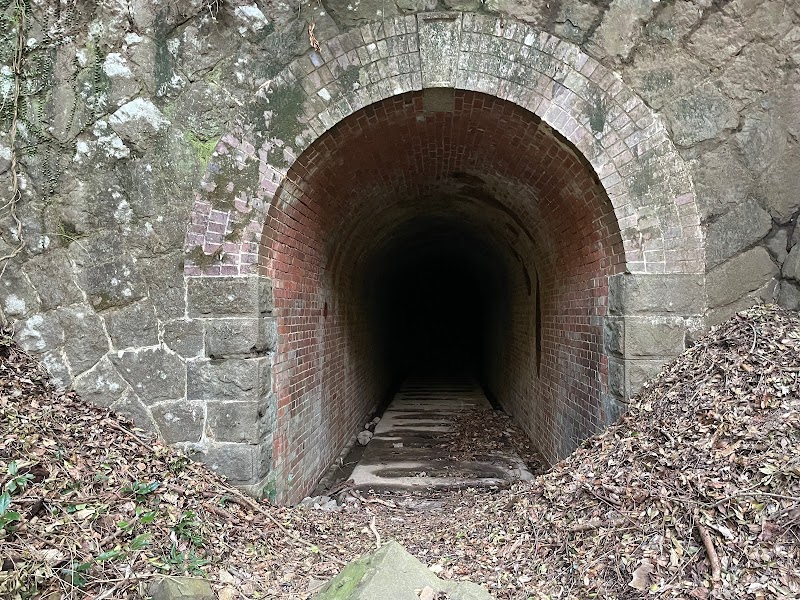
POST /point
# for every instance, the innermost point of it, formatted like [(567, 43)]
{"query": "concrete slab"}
[(414, 442)]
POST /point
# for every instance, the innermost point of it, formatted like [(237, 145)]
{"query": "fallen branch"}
[(597, 524), (713, 558)]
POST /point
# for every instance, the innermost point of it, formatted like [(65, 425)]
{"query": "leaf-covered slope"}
[(695, 493)]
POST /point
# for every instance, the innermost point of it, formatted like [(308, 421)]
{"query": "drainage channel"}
[(442, 433)]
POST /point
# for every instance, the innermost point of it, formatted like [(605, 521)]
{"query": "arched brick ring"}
[(589, 105)]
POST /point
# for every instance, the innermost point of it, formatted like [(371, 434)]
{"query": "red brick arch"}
[(540, 154)]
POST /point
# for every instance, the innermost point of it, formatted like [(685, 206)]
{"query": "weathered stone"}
[(40, 332), (661, 77), (235, 461), (614, 335), (791, 266), (622, 26), (760, 140), (181, 588), (779, 185), (234, 421), (179, 421), (722, 181), (130, 407), (348, 14), (611, 409), (186, 337), (739, 276), (122, 83), (412, 6), (657, 294), (165, 285), (735, 231), (753, 72), (789, 296), (44, 270), (439, 42), (236, 337), (641, 371), (132, 326), (462, 5), (574, 20), (226, 296), (718, 39), (106, 272), (701, 116), (267, 414), (654, 336), (138, 122), (391, 572), (101, 385), (55, 362), (766, 294), (245, 379), (777, 243), (19, 296), (154, 374), (85, 340)]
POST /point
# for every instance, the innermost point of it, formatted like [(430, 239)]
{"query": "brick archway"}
[(259, 211)]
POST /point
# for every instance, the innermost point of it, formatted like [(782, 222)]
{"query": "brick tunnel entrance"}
[(442, 190), (445, 230)]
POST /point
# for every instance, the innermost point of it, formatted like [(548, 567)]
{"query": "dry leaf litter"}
[(695, 493)]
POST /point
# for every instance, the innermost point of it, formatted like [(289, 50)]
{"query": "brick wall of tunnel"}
[(474, 164)]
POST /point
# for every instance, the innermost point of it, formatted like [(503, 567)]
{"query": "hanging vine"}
[(12, 105)]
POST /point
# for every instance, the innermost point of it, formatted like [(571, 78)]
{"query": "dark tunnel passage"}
[(459, 236), (438, 299)]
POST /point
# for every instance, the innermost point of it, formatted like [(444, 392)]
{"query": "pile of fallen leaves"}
[(695, 493)]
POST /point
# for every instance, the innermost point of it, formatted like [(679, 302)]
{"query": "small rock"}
[(181, 588), (364, 437)]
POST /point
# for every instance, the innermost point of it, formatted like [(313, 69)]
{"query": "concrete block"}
[(656, 294)]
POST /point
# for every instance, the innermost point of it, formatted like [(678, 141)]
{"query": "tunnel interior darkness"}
[(437, 295), (444, 230)]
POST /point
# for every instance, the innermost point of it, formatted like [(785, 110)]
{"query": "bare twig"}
[(375, 532)]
